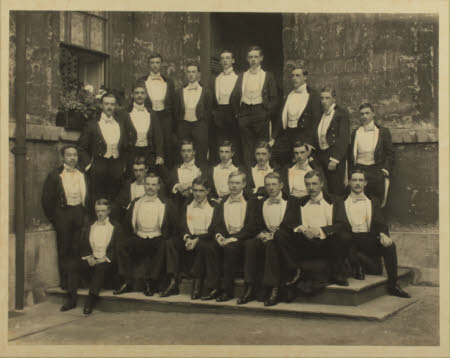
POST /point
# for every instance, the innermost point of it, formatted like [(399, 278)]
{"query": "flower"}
[(89, 88)]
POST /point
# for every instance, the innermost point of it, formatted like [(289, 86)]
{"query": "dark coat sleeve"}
[(85, 245), (158, 137), (49, 197), (118, 236), (389, 151), (339, 150), (84, 144), (250, 228), (272, 93), (124, 197), (379, 224)]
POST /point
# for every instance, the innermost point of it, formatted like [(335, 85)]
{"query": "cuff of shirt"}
[(175, 188), (185, 237), (86, 257), (322, 235), (334, 160), (385, 172), (219, 236)]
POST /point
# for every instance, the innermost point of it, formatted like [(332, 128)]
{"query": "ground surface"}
[(416, 325)]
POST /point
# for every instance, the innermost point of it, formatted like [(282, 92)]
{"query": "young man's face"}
[(192, 74), (236, 184), (102, 212), (298, 78), (140, 171), (187, 152), (262, 156), (357, 183), (254, 58), (327, 100), (151, 186), (225, 154), (70, 157), (273, 186), (313, 185), (108, 105), (366, 115), (139, 95), (300, 154), (226, 60), (155, 65), (199, 192)]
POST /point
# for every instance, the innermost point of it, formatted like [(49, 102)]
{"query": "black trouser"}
[(198, 132), (369, 244), (105, 177), (282, 149), (68, 222), (223, 127), (375, 180), (165, 119), (335, 178), (95, 274), (253, 124)]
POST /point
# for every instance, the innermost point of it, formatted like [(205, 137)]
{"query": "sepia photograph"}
[(225, 176)]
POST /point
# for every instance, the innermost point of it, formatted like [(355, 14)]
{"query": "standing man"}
[(194, 113), (364, 229), (64, 202), (301, 114), (331, 140), (254, 102), (372, 150), (223, 125), (103, 147), (161, 98)]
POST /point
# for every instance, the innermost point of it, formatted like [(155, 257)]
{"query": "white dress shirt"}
[(258, 174), (234, 213), (99, 238), (359, 211), (225, 83), (198, 217), (296, 179), (111, 133), (366, 141), (140, 118), (148, 215), (191, 93), (317, 213), (136, 190), (156, 89), (295, 105), (187, 172), (323, 127), (221, 173), (252, 92), (273, 212), (74, 185)]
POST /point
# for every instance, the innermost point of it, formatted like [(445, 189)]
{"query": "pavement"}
[(43, 324)]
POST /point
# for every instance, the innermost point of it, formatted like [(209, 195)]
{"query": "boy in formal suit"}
[(223, 124), (301, 113), (161, 99), (331, 139), (363, 229), (103, 149), (309, 231), (194, 113), (198, 240), (257, 173), (372, 150), (255, 101), (151, 223), (64, 203), (234, 223)]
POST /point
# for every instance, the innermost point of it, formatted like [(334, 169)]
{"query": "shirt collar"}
[(330, 109), (239, 198), (104, 223), (304, 166), (317, 199), (139, 107), (149, 199), (370, 126), (357, 197), (254, 71), (194, 85), (265, 167), (278, 197), (188, 164), (69, 169), (228, 71), (227, 165), (155, 76), (105, 119), (301, 89), (201, 205)]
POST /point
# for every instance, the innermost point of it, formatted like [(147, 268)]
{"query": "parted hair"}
[(262, 144), (195, 64), (315, 173), (227, 143), (366, 105), (358, 171), (298, 144), (109, 94), (153, 175), (139, 161), (203, 181), (154, 55), (226, 51), (301, 68), (67, 146), (187, 141), (255, 48), (237, 173), (273, 175), (103, 201), (329, 89)]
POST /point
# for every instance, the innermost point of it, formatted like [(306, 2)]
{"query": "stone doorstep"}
[(378, 309)]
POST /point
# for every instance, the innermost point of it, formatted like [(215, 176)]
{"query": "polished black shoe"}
[(211, 296), (224, 297), (247, 296), (359, 273), (124, 288), (171, 290), (273, 299), (148, 290), (339, 280), (196, 289), (397, 291), (89, 305), (295, 279), (71, 303)]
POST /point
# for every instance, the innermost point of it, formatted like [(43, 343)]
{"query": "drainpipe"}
[(205, 47), (20, 156)]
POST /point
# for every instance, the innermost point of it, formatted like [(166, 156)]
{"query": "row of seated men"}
[(220, 223)]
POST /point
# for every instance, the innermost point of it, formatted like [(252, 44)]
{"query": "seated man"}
[(363, 229), (233, 223), (196, 232), (97, 249), (151, 222), (308, 231), (260, 170), (293, 176), (219, 174)]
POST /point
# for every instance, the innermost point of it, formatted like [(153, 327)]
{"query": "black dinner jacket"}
[(91, 143), (338, 134), (173, 175), (53, 194), (154, 134), (213, 90), (377, 222), (169, 99), (184, 228), (203, 109), (251, 182), (250, 228), (384, 149), (261, 223)]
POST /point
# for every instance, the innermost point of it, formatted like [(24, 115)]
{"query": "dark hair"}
[(358, 171), (273, 175), (109, 94), (153, 175), (315, 173), (154, 55), (203, 181), (227, 143), (187, 141), (255, 48), (262, 144), (195, 64), (68, 146), (139, 84), (298, 144), (226, 51), (139, 160), (103, 201), (329, 89), (238, 172), (366, 105), (304, 71)]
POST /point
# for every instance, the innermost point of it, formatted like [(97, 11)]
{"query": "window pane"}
[(78, 29), (62, 26), (97, 34)]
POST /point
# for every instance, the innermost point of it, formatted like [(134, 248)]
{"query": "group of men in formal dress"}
[(208, 181)]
